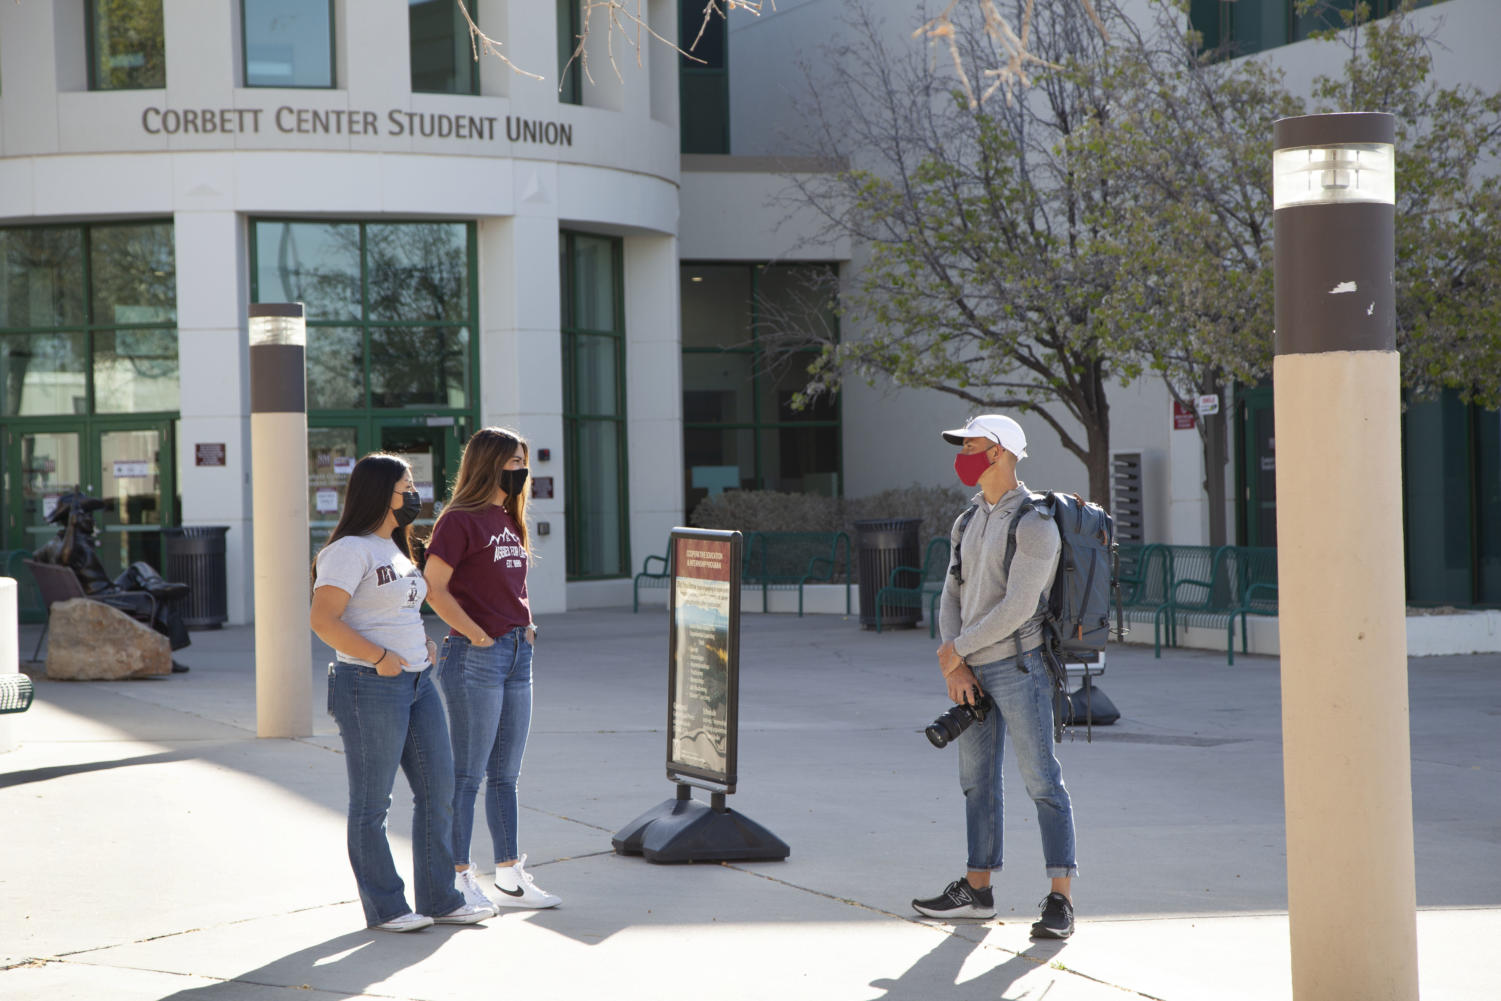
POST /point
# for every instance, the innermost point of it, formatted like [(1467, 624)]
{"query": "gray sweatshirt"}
[(982, 615)]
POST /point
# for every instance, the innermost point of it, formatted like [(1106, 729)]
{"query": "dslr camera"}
[(957, 719)]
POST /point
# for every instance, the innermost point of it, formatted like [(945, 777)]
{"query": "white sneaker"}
[(410, 921), (466, 914), (465, 883), (519, 890)]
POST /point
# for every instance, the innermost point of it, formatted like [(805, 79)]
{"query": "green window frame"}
[(570, 73), (1245, 27), (368, 327), (595, 466), (764, 420), (136, 61), (703, 86), (333, 71), (108, 333), (441, 55)]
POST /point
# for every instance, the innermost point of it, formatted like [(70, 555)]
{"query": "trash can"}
[(195, 557), (882, 545)]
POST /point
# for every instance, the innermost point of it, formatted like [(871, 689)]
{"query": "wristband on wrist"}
[(383, 652)]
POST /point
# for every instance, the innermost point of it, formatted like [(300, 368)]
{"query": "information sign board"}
[(703, 659)]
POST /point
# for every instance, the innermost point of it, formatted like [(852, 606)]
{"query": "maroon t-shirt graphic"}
[(489, 567)]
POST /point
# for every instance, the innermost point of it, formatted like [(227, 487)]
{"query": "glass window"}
[(41, 277), (1437, 485), (135, 371), (594, 407), (419, 367), (288, 43), (43, 374), (87, 320), (442, 56), (315, 263), (703, 81), (335, 368), (418, 271), (571, 87), (390, 310), (740, 430), (133, 273), (127, 48)]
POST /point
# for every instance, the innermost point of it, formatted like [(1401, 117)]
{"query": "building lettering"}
[(289, 120)]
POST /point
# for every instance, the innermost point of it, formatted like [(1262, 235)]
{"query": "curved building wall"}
[(513, 163)]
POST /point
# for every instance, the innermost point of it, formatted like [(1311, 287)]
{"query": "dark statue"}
[(139, 590)]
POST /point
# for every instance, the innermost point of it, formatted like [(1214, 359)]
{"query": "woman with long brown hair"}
[(477, 560), (367, 605)]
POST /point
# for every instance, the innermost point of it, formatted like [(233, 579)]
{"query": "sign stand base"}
[(685, 830)]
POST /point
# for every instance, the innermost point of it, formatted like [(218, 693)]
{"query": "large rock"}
[(90, 641)]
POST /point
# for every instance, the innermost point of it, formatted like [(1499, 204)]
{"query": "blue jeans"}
[(386, 722), (489, 695), (1024, 704)]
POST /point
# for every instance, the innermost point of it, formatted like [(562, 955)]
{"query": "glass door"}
[(433, 452), (1259, 473), (41, 464), (135, 474), (331, 455)]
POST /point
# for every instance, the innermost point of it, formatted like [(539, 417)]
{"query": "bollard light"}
[(277, 333), (1342, 627)]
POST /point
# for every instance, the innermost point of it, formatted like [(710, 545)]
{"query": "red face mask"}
[(971, 466)]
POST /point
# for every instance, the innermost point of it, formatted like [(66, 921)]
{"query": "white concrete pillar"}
[(212, 360), (521, 357), (654, 391), (1188, 507), (29, 35)]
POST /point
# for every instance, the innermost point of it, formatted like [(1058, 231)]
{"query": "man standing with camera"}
[(992, 628)]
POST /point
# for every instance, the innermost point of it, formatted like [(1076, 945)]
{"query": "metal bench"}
[(651, 578), (15, 693), (784, 560), (918, 586)]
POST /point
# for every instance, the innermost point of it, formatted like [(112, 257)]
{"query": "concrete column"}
[(212, 362), (654, 391), (1346, 757), (278, 433), (521, 357), (1188, 507)]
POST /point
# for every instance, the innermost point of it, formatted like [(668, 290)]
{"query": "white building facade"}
[(580, 260)]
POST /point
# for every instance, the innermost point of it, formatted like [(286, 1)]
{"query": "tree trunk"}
[(1099, 463)]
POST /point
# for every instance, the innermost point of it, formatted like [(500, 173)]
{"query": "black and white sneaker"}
[(1057, 919), (958, 900)]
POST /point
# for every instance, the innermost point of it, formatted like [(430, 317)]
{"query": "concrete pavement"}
[(154, 848)]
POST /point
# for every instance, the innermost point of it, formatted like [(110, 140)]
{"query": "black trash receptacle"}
[(195, 557), (881, 546)]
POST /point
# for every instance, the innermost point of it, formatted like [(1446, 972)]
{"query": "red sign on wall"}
[(1184, 419)]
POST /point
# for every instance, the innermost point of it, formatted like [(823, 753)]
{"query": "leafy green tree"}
[(979, 266), (1448, 218)]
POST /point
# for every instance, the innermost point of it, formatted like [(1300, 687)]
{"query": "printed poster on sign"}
[(703, 658)]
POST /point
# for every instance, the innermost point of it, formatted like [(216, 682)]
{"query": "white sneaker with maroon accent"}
[(519, 890)]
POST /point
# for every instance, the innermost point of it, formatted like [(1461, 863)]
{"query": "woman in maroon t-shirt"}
[(476, 575)]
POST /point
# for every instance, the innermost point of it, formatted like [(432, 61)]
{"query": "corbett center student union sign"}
[(290, 120)]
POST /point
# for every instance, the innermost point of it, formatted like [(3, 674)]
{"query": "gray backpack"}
[(1076, 609)]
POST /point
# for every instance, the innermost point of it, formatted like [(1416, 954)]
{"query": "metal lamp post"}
[(279, 499), (1342, 610)]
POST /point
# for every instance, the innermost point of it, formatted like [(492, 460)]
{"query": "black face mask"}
[(411, 507), (513, 480)]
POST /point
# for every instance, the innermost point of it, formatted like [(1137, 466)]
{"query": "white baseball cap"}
[(998, 428)]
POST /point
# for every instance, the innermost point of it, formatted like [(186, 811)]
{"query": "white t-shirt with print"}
[(386, 591)]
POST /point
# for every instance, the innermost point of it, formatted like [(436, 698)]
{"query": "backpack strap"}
[(957, 570), (1032, 503)]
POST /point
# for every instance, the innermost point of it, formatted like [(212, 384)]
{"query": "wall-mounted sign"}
[(1184, 418), (208, 453), (289, 120), (326, 500), (130, 469), (541, 488), (1207, 404), (343, 465)]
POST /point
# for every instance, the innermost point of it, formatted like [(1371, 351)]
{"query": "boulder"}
[(90, 641)]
